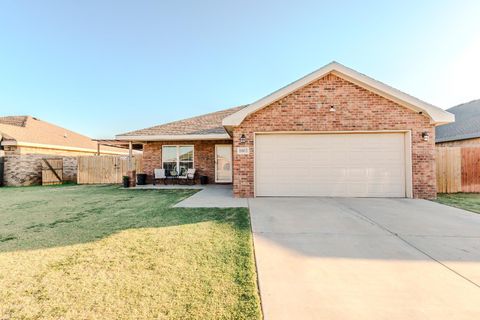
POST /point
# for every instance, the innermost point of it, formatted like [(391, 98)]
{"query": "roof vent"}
[(65, 135)]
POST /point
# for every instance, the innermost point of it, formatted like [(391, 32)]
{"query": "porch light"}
[(425, 136), (243, 139), (332, 108)]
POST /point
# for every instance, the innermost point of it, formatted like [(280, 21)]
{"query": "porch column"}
[(131, 171), (130, 155)]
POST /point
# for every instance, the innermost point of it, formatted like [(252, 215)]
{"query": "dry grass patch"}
[(103, 253)]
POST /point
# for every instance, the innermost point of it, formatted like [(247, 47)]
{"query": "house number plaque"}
[(243, 150)]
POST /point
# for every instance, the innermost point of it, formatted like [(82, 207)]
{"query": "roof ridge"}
[(208, 114), (464, 103), (202, 115)]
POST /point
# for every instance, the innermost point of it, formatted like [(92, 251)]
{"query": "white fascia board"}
[(437, 115), (57, 147), (179, 137), (9, 143)]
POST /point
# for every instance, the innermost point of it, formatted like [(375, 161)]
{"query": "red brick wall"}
[(356, 109), (204, 156)]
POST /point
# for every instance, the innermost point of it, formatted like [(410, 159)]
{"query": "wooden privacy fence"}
[(1, 169), (105, 169), (458, 169), (52, 171)]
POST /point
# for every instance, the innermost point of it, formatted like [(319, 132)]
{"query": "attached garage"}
[(367, 164), (335, 132)]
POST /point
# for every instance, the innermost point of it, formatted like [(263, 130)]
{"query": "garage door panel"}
[(357, 165), (379, 175)]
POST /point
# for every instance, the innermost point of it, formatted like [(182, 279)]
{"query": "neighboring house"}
[(334, 132), (29, 135), (465, 131), (26, 140)]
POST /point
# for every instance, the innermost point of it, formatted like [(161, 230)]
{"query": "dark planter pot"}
[(141, 179), (126, 182), (203, 180)]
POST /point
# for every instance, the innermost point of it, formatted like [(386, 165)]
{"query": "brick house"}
[(26, 140), (334, 132)]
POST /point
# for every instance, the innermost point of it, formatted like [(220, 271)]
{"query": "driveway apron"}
[(353, 258)]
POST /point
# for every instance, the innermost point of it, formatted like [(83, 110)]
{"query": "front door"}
[(223, 163)]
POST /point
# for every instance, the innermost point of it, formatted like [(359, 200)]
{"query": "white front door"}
[(223, 163)]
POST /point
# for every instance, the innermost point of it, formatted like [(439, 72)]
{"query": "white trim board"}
[(58, 147), (437, 115), (176, 137)]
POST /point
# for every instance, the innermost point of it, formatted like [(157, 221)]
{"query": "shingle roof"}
[(466, 125), (210, 123), (28, 129)]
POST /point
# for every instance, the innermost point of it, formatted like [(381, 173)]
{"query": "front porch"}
[(209, 196), (210, 158)]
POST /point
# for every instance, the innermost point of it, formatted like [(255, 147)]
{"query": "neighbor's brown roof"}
[(28, 129), (210, 123)]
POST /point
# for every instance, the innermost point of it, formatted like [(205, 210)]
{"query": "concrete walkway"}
[(214, 196), (338, 258)]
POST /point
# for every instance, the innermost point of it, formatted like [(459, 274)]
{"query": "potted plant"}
[(126, 181)]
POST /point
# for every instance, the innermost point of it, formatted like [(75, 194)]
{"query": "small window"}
[(177, 158)]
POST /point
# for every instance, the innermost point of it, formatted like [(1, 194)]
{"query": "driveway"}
[(344, 258)]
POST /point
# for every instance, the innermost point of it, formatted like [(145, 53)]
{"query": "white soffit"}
[(437, 115)]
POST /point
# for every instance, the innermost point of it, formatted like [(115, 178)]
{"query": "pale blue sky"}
[(106, 67)]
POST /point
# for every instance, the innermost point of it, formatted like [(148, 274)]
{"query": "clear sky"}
[(103, 67)]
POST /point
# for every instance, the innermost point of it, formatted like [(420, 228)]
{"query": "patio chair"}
[(159, 174), (189, 176)]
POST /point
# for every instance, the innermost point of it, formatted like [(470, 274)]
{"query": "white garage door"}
[(341, 165)]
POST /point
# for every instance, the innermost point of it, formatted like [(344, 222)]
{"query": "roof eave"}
[(175, 137), (56, 147), (8, 142), (446, 121)]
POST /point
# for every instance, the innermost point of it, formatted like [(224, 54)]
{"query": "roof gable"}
[(437, 115)]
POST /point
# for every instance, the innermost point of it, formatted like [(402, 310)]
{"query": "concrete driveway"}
[(341, 258)]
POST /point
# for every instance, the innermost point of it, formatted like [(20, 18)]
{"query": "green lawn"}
[(467, 201), (100, 252)]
